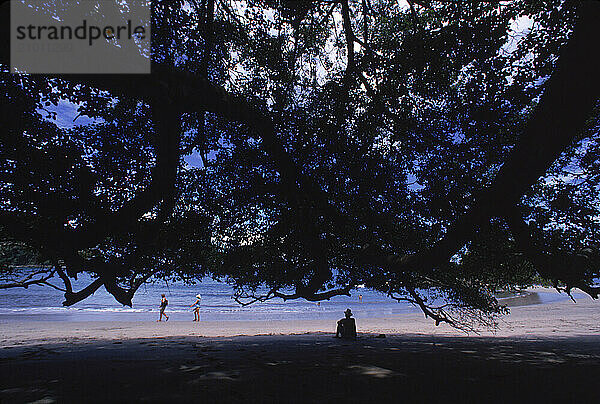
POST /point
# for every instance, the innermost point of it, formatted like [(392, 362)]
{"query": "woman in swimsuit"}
[(196, 307)]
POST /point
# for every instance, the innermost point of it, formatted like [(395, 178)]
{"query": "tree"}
[(341, 143)]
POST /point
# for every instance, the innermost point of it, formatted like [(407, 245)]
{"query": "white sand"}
[(540, 353), (564, 319)]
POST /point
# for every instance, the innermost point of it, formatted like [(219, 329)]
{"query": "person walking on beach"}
[(163, 305), (346, 327), (196, 307)]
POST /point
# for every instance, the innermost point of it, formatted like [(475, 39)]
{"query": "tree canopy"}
[(435, 151)]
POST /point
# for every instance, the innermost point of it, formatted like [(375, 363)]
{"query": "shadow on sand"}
[(303, 368)]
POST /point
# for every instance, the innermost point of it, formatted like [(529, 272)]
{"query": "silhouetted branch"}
[(461, 317), (349, 39), (439, 316), (314, 297), (569, 268), (247, 298), (415, 17), (31, 279), (121, 295), (568, 101), (54, 286), (73, 297)]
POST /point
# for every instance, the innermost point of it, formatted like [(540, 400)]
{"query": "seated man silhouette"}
[(346, 327)]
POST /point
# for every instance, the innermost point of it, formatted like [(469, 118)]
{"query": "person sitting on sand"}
[(196, 307), (346, 327), (163, 305)]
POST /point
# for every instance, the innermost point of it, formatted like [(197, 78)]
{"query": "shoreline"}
[(540, 353), (328, 310), (555, 319)]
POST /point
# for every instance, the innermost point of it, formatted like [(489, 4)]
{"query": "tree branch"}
[(568, 101), (569, 268), (73, 297), (349, 40), (241, 296), (28, 280)]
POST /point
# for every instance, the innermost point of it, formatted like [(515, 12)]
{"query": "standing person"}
[(163, 305), (196, 307), (346, 327)]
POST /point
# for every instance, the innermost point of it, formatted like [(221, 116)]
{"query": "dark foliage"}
[(440, 146)]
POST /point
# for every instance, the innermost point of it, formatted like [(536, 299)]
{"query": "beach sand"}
[(548, 352)]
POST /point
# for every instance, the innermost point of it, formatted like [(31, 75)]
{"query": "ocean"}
[(45, 303)]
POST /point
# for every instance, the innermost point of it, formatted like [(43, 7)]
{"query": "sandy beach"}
[(547, 352)]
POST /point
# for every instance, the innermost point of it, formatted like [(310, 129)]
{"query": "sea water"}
[(217, 304)]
